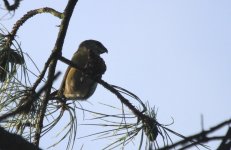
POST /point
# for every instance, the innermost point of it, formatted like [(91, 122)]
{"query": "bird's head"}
[(94, 46)]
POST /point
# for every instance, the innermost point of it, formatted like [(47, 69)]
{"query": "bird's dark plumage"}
[(76, 84)]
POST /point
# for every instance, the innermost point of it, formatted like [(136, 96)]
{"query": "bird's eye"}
[(97, 45)]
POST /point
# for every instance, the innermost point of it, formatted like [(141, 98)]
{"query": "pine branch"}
[(57, 50), (27, 16), (198, 138)]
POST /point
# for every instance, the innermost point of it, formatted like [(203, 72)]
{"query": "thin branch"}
[(108, 87), (226, 142), (204, 140), (27, 16), (57, 50), (199, 138)]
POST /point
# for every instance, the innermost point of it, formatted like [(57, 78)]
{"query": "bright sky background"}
[(175, 54)]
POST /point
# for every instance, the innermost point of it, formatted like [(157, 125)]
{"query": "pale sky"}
[(175, 54)]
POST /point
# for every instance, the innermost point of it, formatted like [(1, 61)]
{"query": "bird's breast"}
[(78, 86)]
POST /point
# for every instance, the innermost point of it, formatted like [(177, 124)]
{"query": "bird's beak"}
[(104, 51)]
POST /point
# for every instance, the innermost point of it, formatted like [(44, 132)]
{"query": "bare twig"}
[(198, 138), (28, 15), (57, 50), (139, 114), (226, 142)]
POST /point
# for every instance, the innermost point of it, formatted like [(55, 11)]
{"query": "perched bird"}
[(78, 85)]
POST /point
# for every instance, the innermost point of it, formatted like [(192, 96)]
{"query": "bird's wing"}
[(62, 86), (80, 59)]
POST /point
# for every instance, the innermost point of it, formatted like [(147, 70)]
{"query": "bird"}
[(80, 84)]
